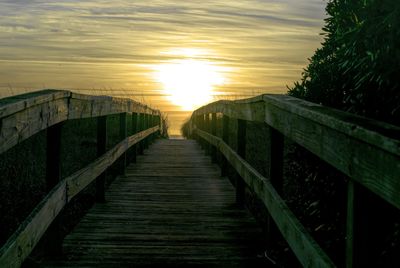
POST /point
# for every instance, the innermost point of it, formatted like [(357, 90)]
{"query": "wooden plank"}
[(251, 110), (53, 177), (379, 134), (303, 245), (15, 104), (365, 150), (85, 106), (123, 133), (225, 138), (276, 159), (214, 133), (80, 179), (53, 156), (350, 225), (167, 220), (19, 246), (208, 129), (372, 166), (19, 126), (241, 150), (134, 131), (21, 243), (25, 115), (101, 150)]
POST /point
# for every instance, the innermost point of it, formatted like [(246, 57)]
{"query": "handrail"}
[(367, 151), (303, 245), (25, 115), (22, 242), (364, 150)]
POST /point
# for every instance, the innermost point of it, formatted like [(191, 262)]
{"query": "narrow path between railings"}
[(171, 210)]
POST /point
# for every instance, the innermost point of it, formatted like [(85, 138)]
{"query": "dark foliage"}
[(357, 67), (355, 70)]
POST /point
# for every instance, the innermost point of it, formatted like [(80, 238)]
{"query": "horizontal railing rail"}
[(24, 116), (367, 151)]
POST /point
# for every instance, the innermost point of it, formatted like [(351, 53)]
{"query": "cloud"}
[(76, 44)]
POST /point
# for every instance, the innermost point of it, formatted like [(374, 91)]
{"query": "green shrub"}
[(357, 67)]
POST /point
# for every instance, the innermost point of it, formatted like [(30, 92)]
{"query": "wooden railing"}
[(368, 152), (25, 115)]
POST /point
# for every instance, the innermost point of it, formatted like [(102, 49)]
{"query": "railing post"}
[(53, 162), (153, 124), (365, 221), (276, 160), (350, 225), (141, 127), (134, 131), (101, 149), (241, 150), (152, 120), (225, 138), (199, 124), (53, 177), (275, 174), (146, 126), (159, 124), (214, 133), (207, 129), (122, 135)]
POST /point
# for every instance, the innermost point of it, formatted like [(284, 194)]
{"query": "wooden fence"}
[(25, 115), (368, 152)]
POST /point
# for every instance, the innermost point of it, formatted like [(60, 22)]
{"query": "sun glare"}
[(189, 83)]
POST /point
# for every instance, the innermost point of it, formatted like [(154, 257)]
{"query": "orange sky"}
[(173, 55)]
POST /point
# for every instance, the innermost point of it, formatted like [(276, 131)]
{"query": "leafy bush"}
[(357, 68)]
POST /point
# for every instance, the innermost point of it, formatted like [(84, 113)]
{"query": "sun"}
[(189, 83)]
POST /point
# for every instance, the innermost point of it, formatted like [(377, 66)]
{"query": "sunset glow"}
[(172, 55), (189, 83)]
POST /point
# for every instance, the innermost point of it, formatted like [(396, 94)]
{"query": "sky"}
[(172, 55)]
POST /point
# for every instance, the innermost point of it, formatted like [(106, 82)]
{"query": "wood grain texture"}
[(80, 179), (171, 210), (303, 245), (14, 104), (19, 126), (371, 165), (253, 110), (25, 115), (22, 242), (367, 151)]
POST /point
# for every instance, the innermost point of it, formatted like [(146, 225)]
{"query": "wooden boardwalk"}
[(171, 210)]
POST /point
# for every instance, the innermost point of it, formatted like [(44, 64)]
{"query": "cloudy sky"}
[(125, 48)]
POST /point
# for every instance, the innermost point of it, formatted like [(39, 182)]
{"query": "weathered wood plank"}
[(303, 245), (85, 106), (80, 179), (15, 104), (371, 165), (22, 242), (19, 246), (251, 111), (25, 115), (368, 151), (170, 220), (21, 125), (101, 149), (379, 134)]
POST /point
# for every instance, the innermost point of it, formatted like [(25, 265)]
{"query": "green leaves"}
[(358, 66)]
